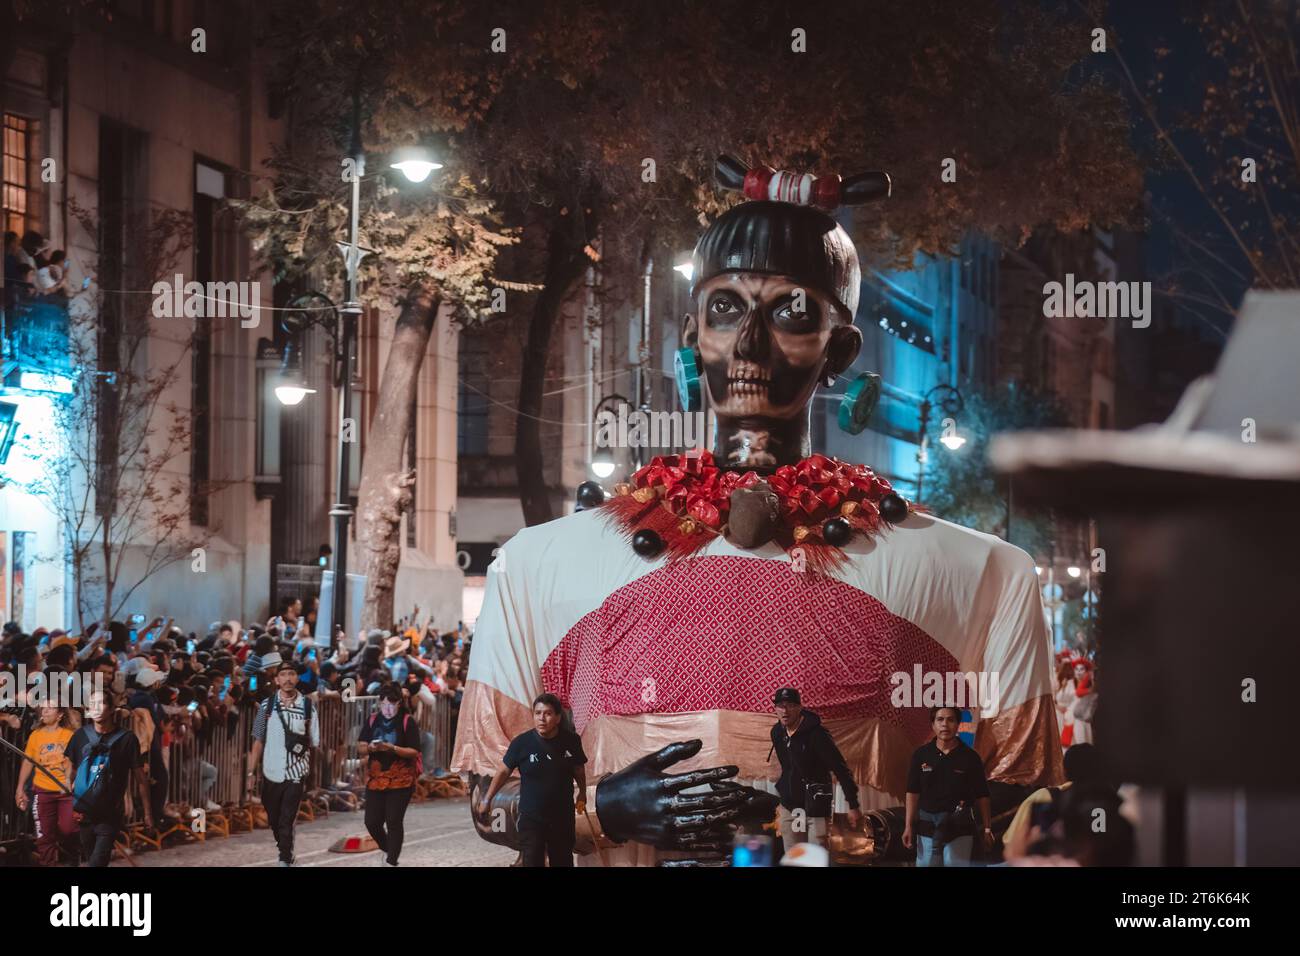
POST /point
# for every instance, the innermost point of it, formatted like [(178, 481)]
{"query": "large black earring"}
[(686, 371)]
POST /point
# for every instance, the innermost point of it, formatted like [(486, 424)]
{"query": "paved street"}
[(438, 833)]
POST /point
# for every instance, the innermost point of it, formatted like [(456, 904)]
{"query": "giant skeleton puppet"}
[(666, 618)]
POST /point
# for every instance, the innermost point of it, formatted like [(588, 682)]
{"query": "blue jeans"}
[(954, 853)]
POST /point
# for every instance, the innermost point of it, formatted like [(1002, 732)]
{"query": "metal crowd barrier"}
[(15, 825), (211, 764)]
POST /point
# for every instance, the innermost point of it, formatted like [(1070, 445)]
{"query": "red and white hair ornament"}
[(801, 189)]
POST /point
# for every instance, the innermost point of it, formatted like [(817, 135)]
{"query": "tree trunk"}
[(385, 483), (565, 264)]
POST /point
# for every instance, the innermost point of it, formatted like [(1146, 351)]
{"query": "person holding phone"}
[(390, 744)]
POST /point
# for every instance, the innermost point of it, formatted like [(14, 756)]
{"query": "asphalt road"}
[(438, 833)]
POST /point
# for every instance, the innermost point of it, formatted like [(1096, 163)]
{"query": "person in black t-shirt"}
[(947, 796), (549, 760), (124, 766)]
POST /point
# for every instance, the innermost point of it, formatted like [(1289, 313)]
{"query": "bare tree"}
[(109, 462), (1232, 129)]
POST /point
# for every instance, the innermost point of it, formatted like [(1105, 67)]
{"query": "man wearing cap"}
[(808, 757), (663, 618), (284, 732), (147, 722)]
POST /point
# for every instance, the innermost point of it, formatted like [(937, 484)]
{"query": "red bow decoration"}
[(685, 498)]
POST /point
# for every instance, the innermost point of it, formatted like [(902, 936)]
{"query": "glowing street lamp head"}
[(686, 268), (602, 462), (415, 164), (1073, 571), (292, 394), (952, 442)]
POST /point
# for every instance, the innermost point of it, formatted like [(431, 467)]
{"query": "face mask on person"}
[(388, 708)]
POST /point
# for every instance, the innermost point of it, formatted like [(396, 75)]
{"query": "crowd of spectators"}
[(171, 686)]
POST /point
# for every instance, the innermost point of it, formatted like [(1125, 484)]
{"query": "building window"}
[(123, 173), (19, 197), (898, 318), (214, 260), (472, 410), (410, 466)]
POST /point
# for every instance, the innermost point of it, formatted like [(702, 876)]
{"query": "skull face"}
[(765, 343)]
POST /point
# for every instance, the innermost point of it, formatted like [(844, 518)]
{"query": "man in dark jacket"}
[(808, 757)]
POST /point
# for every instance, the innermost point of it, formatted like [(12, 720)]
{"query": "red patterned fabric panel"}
[(723, 632)]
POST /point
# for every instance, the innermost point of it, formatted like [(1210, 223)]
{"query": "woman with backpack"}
[(390, 741)]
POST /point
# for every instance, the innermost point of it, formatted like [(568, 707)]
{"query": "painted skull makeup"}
[(773, 315)]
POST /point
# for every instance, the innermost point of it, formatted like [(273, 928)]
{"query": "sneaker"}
[(386, 863), (285, 863)]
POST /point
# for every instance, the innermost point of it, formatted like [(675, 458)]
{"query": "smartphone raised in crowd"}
[(193, 706)]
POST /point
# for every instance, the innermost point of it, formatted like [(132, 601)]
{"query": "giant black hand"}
[(642, 803)]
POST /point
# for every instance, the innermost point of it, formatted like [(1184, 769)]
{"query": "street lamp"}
[(687, 269), (293, 387), (951, 404), (414, 163), (602, 463), (292, 394), (602, 457)]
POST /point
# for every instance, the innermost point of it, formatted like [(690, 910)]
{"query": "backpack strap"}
[(106, 742)]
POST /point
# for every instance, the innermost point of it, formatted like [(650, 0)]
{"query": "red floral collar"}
[(685, 499)]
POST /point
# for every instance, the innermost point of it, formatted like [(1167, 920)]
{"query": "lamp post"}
[(951, 404), (602, 459), (416, 166)]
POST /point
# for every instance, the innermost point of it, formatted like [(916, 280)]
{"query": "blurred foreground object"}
[(1198, 520)]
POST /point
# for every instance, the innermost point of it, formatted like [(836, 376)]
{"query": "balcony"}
[(36, 352)]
